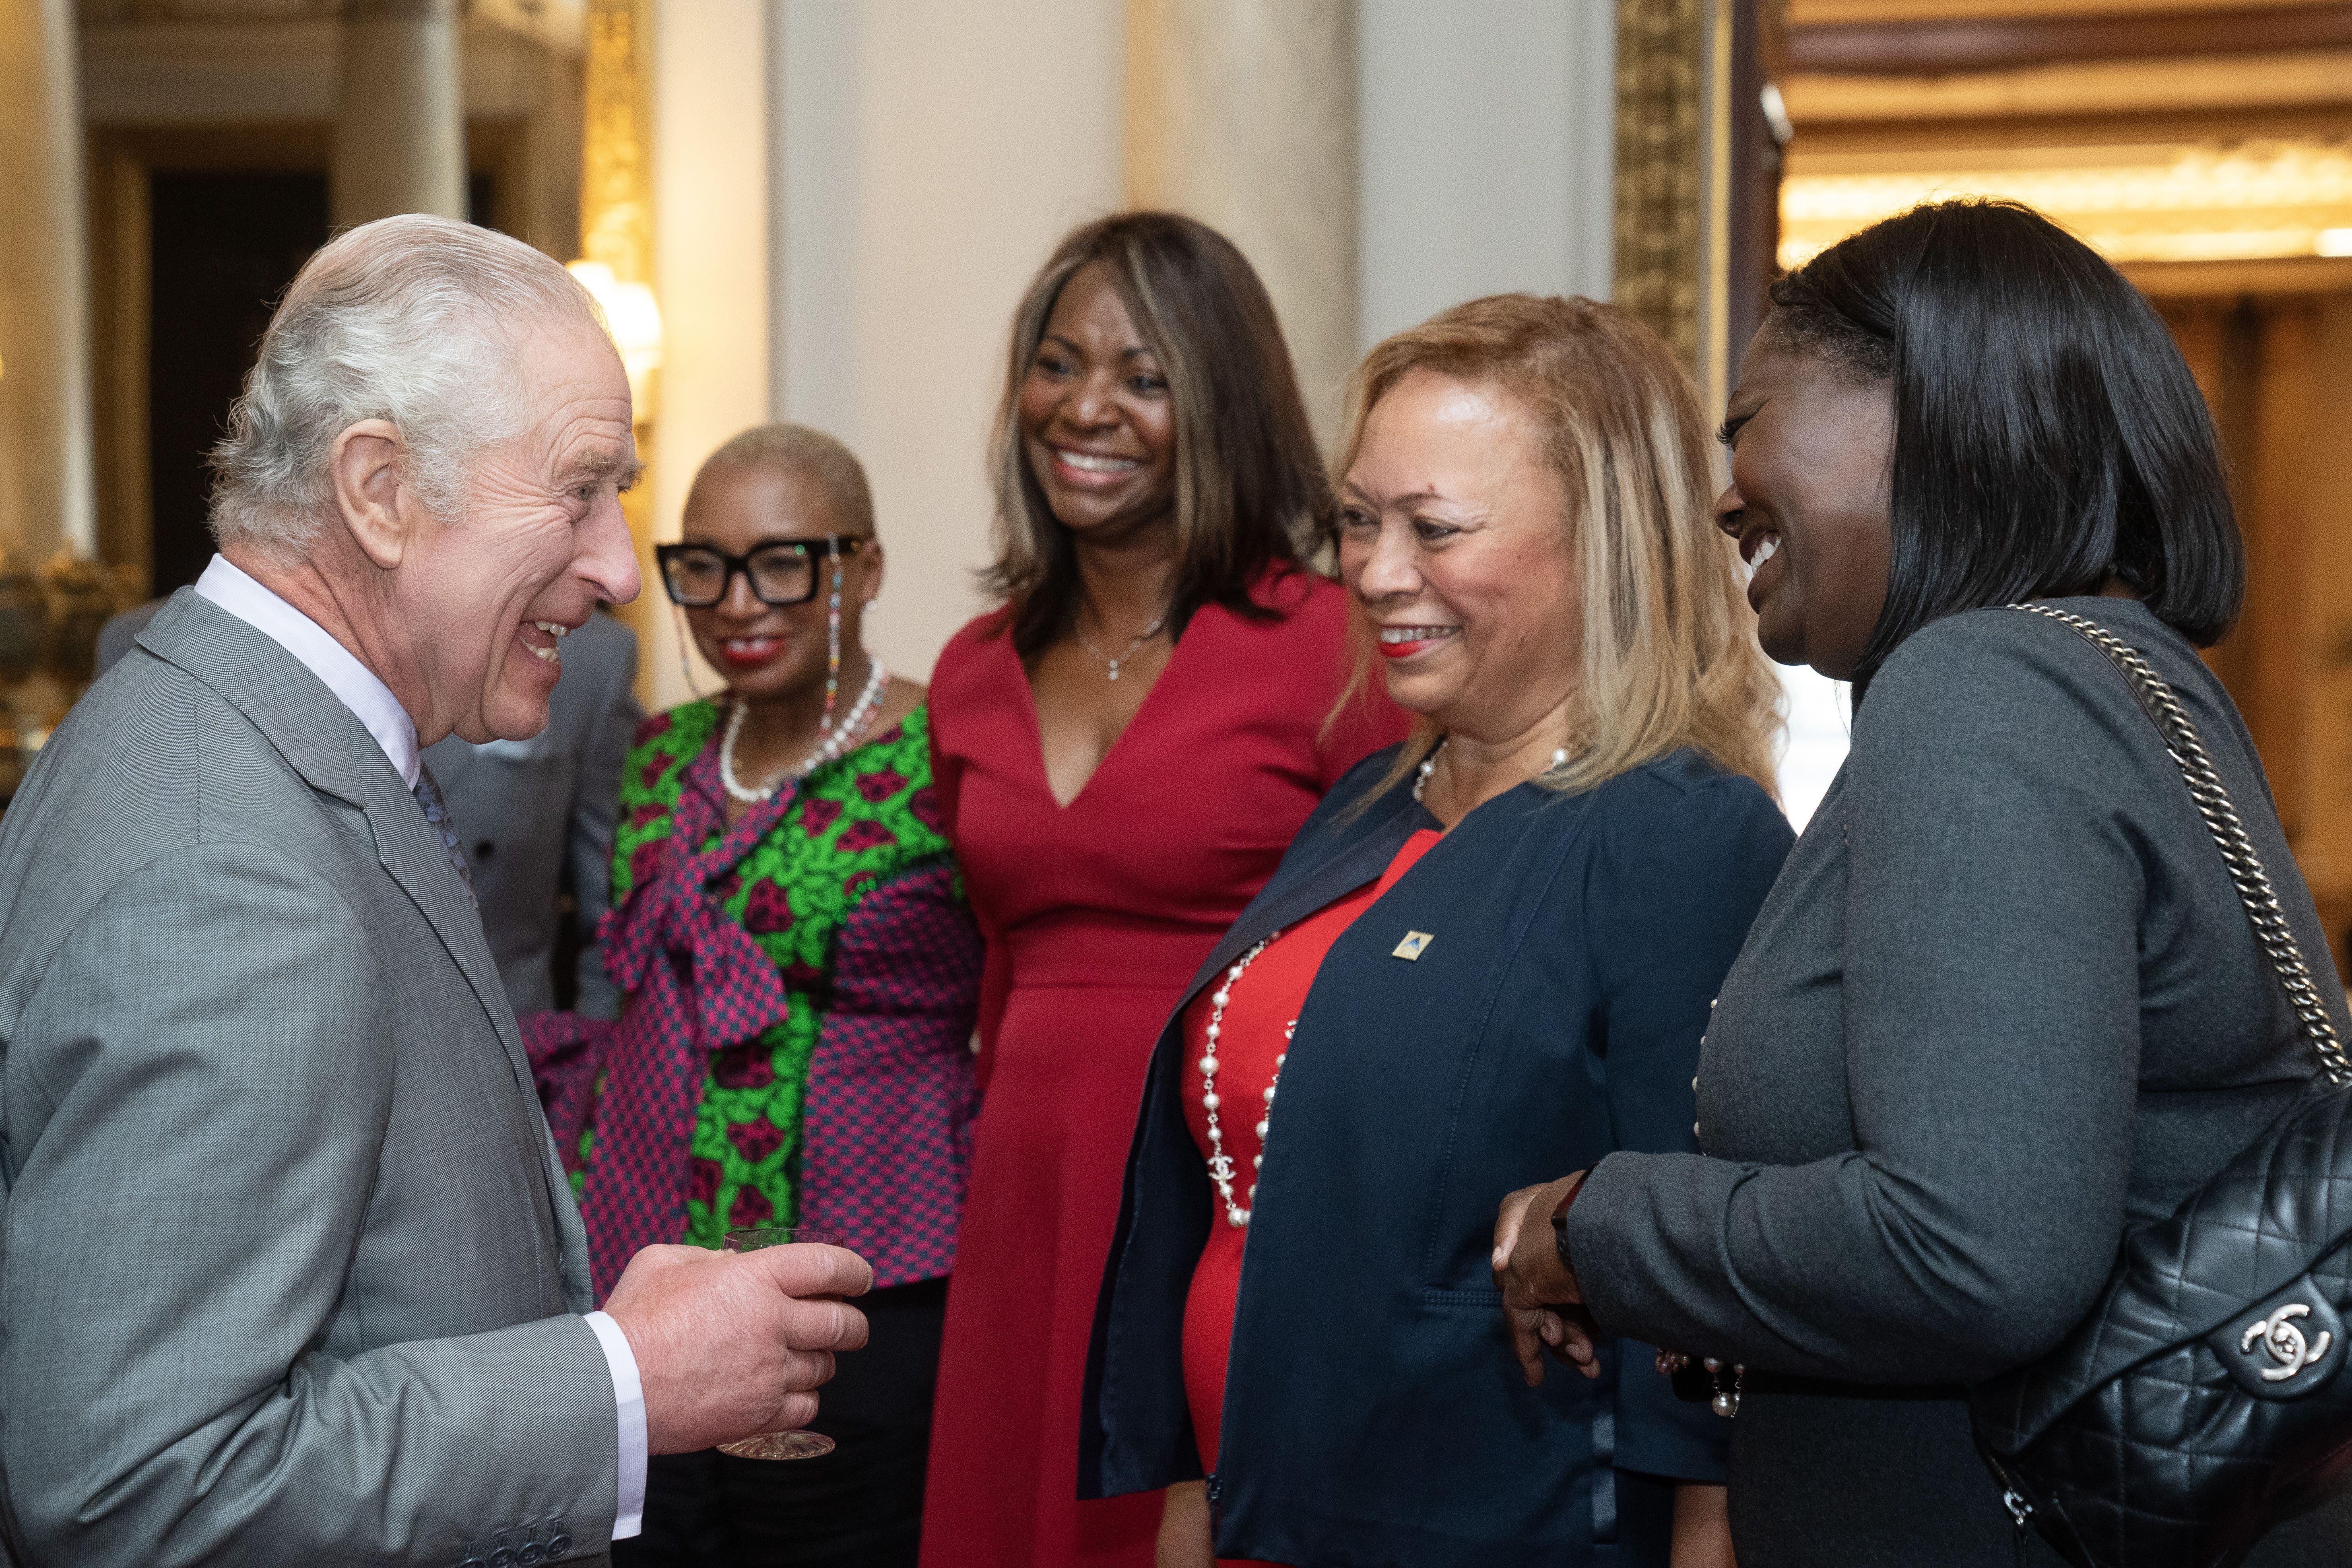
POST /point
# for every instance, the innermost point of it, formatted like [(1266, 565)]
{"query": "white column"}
[(1243, 114), (46, 489), (400, 119)]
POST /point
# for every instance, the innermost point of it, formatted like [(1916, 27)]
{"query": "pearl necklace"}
[(842, 737), (1428, 765), (1220, 1164)]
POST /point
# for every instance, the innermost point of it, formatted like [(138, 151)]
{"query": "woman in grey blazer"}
[(2003, 1004)]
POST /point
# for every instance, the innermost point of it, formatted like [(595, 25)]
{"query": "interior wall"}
[(1488, 152), (930, 155)]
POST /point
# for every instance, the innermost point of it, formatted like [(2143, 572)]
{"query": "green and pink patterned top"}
[(801, 987)]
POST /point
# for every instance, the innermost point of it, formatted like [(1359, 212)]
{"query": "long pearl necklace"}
[(840, 739), (1220, 1164)]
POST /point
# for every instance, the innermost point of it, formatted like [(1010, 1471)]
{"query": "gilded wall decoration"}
[(1660, 165), (617, 226)]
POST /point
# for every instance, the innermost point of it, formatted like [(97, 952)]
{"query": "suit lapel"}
[(408, 848), (324, 743)]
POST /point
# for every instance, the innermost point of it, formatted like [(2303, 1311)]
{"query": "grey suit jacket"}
[(536, 817), (287, 1270)]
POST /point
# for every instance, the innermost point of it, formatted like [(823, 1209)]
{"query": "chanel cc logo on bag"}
[(2286, 1346), (2282, 1341)]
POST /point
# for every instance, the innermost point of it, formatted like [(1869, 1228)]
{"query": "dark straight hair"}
[(1251, 493), (2048, 436)]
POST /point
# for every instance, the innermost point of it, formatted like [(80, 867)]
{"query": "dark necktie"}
[(437, 812)]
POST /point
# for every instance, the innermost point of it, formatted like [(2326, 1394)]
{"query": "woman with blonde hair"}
[(1122, 748), (1491, 945)]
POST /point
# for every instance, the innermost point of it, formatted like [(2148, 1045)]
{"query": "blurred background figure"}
[(1124, 750), (535, 819), (801, 974)]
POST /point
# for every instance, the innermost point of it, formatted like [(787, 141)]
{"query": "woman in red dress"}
[(1122, 753)]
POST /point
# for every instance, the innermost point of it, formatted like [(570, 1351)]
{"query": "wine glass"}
[(797, 1444)]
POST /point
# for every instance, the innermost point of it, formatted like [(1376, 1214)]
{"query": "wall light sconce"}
[(634, 317)]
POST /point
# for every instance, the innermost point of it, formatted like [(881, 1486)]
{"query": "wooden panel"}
[(1940, 47), (2278, 552), (2285, 275), (1842, 11), (2325, 849), (1759, 44), (2286, 79)]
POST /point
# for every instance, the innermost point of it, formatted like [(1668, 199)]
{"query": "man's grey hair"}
[(416, 320)]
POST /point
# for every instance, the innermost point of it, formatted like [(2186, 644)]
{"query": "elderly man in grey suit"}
[(289, 1272)]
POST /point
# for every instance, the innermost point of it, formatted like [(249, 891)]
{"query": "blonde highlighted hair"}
[(1669, 657)]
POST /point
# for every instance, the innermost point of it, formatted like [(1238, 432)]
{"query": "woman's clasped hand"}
[(1541, 1304)]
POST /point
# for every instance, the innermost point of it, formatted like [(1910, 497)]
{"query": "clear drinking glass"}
[(796, 1445)]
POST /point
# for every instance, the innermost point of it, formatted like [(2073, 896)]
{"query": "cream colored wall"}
[(931, 154), (710, 266)]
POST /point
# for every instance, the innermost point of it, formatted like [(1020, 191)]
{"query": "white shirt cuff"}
[(629, 1396)]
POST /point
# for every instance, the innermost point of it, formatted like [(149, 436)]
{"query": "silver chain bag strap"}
[(2205, 1391)]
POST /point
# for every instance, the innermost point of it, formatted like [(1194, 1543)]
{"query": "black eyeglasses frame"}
[(837, 545)]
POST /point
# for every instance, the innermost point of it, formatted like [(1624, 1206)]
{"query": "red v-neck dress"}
[(1096, 915)]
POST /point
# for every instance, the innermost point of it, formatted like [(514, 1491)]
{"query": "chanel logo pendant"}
[(1412, 946)]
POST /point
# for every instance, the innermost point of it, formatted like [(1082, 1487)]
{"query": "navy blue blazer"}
[(1373, 1412)]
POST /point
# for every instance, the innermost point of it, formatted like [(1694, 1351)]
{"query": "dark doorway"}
[(226, 243)]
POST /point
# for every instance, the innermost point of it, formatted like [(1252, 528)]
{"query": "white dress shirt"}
[(358, 689)]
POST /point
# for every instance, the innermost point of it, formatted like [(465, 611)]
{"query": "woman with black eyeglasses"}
[(803, 976)]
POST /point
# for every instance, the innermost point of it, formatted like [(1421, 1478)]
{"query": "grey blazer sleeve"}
[(588, 845), (178, 1244), (1991, 1048)]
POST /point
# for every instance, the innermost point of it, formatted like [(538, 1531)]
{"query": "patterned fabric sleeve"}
[(892, 1090)]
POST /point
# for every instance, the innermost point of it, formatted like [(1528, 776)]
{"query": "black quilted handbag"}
[(2208, 1387)]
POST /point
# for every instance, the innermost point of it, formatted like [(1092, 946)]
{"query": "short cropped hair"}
[(1251, 493), (1667, 655), (2048, 434), (413, 319), (800, 449)]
